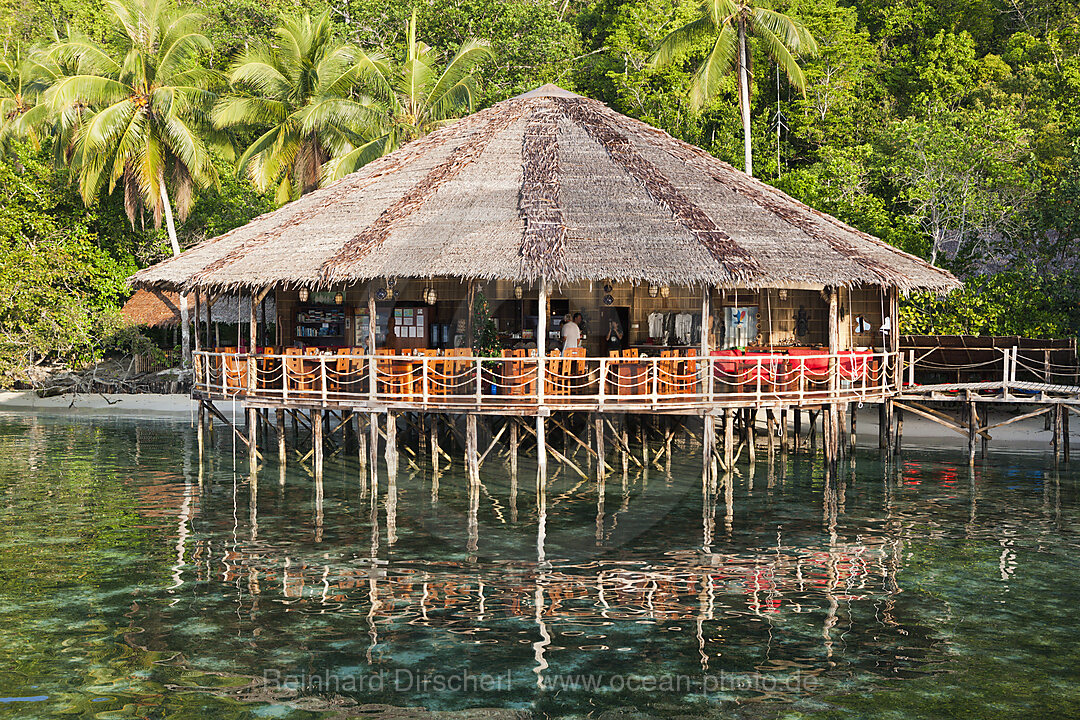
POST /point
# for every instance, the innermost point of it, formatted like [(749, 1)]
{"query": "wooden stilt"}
[(770, 429), (841, 431), (317, 442), (973, 430), (1066, 449), (253, 434), (601, 452), (898, 443), (785, 437), (853, 409), (707, 448), (751, 441), (797, 427), (361, 444), (883, 428), (729, 440), (888, 417), (433, 432), (199, 431), (373, 454), (391, 442), (472, 461), (514, 442), (541, 449), (279, 415)]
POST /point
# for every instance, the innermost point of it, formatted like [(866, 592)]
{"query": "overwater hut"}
[(701, 288)]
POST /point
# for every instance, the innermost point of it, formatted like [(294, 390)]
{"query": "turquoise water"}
[(136, 583)]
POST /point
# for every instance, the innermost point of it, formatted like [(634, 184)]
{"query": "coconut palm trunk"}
[(744, 101), (185, 331)]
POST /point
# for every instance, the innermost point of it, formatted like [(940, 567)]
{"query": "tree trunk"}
[(744, 101), (185, 331)]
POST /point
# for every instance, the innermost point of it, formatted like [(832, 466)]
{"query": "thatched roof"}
[(161, 308), (548, 184)]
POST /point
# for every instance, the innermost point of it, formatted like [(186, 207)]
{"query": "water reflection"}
[(793, 573)]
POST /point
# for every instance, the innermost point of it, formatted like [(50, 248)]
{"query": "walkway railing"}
[(569, 381)]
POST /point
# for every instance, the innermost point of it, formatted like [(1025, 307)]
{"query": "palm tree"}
[(23, 78), (147, 124), (414, 98), (303, 91), (728, 23)]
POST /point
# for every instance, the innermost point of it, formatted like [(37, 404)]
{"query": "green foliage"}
[(414, 97), (485, 336), (1016, 302), (59, 289)]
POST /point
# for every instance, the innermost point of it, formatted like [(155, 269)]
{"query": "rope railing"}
[(483, 381)]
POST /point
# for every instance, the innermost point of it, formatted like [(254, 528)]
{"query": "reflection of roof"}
[(548, 184), (158, 308)]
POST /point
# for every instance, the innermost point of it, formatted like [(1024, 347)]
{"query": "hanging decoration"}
[(303, 295), (339, 297), (653, 290), (665, 291), (519, 292)]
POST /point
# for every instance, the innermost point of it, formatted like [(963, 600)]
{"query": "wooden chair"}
[(555, 375), (300, 377), (458, 372), (418, 374), (236, 371), (667, 372), (688, 377), (385, 372), (576, 369)]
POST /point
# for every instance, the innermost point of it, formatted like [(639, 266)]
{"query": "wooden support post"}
[(708, 441), (373, 454), (472, 461), (898, 443), (433, 433), (749, 420), (279, 415), (253, 435), (853, 408), (888, 414), (391, 443), (542, 314), (601, 453), (785, 437), (770, 429), (1066, 451), (317, 442), (514, 443), (361, 444), (729, 440), (199, 431), (541, 449), (797, 427), (841, 430), (1056, 437), (973, 431)]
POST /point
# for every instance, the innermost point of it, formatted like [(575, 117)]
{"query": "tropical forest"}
[(133, 129)]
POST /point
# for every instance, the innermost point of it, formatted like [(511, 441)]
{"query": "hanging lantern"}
[(607, 288), (664, 291), (782, 293), (430, 296), (653, 290), (518, 292), (303, 294), (339, 297)]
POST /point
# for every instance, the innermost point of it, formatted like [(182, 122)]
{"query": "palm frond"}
[(720, 61), (792, 34), (681, 39), (783, 57), (339, 167)]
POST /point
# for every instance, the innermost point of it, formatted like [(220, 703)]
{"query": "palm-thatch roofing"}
[(546, 185), (161, 308)]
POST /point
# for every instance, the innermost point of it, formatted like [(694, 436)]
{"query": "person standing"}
[(571, 332)]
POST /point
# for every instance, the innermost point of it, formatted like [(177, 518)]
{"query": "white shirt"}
[(571, 334)]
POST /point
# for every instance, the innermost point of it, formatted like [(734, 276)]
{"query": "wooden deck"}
[(508, 386)]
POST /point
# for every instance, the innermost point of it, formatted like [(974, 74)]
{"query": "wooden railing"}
[(571, 382)]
